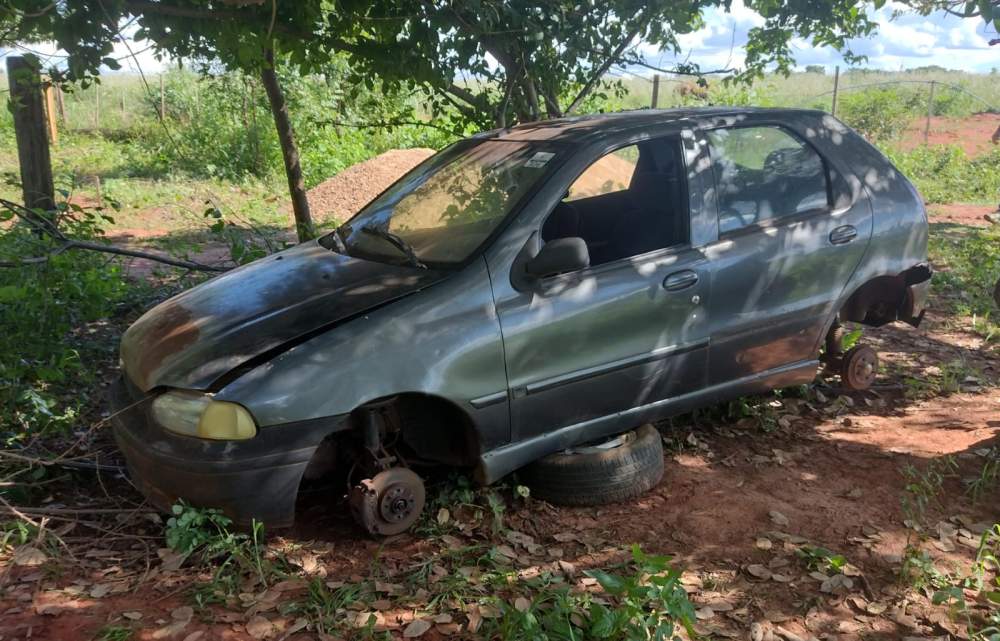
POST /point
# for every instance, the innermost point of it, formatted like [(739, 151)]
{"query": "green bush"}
[(944, 174), (221, 126), (47, 351), (879, 113)]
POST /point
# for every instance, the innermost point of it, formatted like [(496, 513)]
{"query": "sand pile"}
[(343, 195)]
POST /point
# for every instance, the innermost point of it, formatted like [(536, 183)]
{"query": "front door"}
[(629, 329), (789, 240)]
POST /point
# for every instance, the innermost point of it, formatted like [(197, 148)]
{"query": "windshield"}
[(442, 211)]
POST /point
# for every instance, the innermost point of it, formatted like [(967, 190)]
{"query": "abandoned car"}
[(522, 301)]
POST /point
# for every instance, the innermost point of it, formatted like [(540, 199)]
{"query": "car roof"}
[(579, 129)]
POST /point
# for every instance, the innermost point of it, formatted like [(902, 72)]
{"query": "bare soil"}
[(735, 498), (961, 214), (972, 134)]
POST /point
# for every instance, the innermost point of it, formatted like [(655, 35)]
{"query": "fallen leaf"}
[(100, 590), (28, 556), (443, 516), (259, 628), (183, 613), (778, 518), (522, 604), (704, 613), (763, 544), (132, 616), (416, 628), (194, 636), (759, 571)]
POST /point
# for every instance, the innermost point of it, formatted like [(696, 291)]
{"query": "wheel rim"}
[(603, 446), (862, 368)]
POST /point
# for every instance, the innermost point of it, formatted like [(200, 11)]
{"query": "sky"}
[(902, 42)]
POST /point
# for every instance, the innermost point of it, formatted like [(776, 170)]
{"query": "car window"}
[(612, 172), (628, 202), (763, 173), (444, 209)]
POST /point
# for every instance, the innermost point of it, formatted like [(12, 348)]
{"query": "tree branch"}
[(601, 70), (47, 227)]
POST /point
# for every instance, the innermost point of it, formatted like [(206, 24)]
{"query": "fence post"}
[(163, 111), (29, 130), (60, 105), (50, 112), (930, 112), (656, 91), (836, 88)]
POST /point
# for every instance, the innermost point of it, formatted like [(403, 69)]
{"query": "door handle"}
[(680, 280), (843, 235)]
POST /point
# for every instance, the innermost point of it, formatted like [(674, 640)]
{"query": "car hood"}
[(194, 338)]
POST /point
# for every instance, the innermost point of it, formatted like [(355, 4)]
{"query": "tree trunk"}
[(289, 150)]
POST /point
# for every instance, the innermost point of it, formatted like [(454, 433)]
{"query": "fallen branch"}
[(46, 227)]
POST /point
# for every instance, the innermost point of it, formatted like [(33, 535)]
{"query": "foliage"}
[(967, 266), (945, 174), (878, 113), (651, 603), (530, 59), (46, 351), (206, 533), (821, 559)]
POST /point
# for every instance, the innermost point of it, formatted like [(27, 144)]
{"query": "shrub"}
[(878, 113), (944, 174), (44, 357)]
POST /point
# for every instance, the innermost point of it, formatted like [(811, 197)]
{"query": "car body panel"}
[(192, 339), (305, 338), (445, 343), (776, 285)]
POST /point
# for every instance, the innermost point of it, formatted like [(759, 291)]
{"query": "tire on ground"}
[(594, 476)]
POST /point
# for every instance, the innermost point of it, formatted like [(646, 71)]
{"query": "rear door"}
[(790, 236)]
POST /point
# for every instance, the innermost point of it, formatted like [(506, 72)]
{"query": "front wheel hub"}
[(388, 503)]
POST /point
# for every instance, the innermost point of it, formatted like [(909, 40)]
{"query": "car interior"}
[(651, 213)]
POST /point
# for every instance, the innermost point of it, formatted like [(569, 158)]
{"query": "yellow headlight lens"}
[(226, 422)]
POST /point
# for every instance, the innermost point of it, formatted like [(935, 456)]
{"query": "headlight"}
[(197, 414)]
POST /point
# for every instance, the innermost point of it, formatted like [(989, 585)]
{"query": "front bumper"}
[(253, 479)]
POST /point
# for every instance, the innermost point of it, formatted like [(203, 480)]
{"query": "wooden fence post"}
[(836, 88), (930, 112), (60, 105), (29, 129), (656, 91), (50, 112)]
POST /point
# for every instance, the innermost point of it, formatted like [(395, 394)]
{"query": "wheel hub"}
[(388, 503)]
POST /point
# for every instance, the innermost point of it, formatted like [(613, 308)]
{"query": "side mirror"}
[(559, 256)]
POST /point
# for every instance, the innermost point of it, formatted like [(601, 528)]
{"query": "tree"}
[(241, 34), (482, 63)]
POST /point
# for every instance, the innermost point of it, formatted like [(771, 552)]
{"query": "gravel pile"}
[(343, 195)]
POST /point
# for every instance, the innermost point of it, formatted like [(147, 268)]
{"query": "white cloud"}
[(902, 41)]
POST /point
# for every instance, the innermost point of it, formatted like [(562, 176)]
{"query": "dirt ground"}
[(737, 499), (972, 134)]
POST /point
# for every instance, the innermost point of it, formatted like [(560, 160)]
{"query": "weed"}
[(923, 489), (237, 557), (820, 559), (113, 633)]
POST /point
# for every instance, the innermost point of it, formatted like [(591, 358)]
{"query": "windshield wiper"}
[(397, 242)]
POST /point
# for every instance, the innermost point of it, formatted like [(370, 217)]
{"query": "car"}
[(520, 302)]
